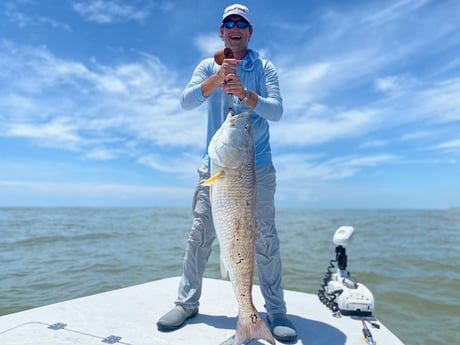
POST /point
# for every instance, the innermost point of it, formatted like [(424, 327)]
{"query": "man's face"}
[(236, 37)]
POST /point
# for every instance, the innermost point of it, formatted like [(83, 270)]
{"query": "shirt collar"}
[(249, 60)]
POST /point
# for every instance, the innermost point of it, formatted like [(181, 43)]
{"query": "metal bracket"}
[(57, 326), (112, 339)]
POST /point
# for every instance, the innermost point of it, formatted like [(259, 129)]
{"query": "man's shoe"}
[(282, 329), (175, 318)]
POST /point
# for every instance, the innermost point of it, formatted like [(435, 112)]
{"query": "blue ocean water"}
[(408, 258)]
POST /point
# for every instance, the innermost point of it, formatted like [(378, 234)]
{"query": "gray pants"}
[(202, 236)]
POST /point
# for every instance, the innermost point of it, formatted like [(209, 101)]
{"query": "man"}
[(254, 84)]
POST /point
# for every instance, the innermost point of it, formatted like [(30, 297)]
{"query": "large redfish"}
[(233, 200)]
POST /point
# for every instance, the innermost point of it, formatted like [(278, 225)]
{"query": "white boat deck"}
[(128, 316)]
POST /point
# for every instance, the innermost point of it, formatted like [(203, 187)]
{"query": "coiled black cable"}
[(327, 299)]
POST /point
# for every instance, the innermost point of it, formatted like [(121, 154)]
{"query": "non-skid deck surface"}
[(129, 315)]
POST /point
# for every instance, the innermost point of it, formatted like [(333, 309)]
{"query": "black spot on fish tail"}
[(254, 318)]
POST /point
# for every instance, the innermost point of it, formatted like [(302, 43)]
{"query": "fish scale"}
[(233, 200)]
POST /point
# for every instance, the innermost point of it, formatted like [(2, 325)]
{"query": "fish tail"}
[(252, 327)]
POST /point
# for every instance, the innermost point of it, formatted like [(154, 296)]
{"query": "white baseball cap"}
[(236, 10)]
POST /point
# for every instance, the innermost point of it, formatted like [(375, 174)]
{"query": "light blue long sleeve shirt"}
[(256, 74)]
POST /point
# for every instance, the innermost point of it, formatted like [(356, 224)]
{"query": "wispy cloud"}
[(374, 144), (442, 100), (78, 106), (368, 89), (395, 10), (208, 44), (140, 100), (311, 128), (318, 169), (395, 84), (55, 131), (451, 146), (55, 193), (182, 163), (12, 11), (108, 11)]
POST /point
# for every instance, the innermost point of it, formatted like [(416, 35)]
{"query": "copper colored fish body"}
[(233, 198)]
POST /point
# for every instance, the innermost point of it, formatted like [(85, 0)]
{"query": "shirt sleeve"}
[(192, 96), (270, 103)]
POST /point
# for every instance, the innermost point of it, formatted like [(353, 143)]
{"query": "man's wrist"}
[(246, 94)]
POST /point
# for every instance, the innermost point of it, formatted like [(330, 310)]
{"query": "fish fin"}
[(252, 327), (213, 178)]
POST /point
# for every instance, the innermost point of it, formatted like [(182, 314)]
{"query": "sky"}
[(90, 112)]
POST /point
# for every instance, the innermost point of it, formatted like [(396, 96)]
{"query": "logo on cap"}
[(237, 10)]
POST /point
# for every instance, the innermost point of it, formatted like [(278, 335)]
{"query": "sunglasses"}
[(239, 23)]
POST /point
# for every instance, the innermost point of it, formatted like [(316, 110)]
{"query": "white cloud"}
[(106, 11), (12, 11), (420, 134), (300, 167), (324, 127), (442, 100), (101, 153), (394, 84), (450, 146), (78, 106), (181, 164), (375, 77), (374, 144), (208, 44), (55, 133), (51, 193), (395, 10), (299, 84), (16, 16)]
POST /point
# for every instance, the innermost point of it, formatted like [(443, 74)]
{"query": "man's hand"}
[(229, 66), (232, 84), (226, 75)]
